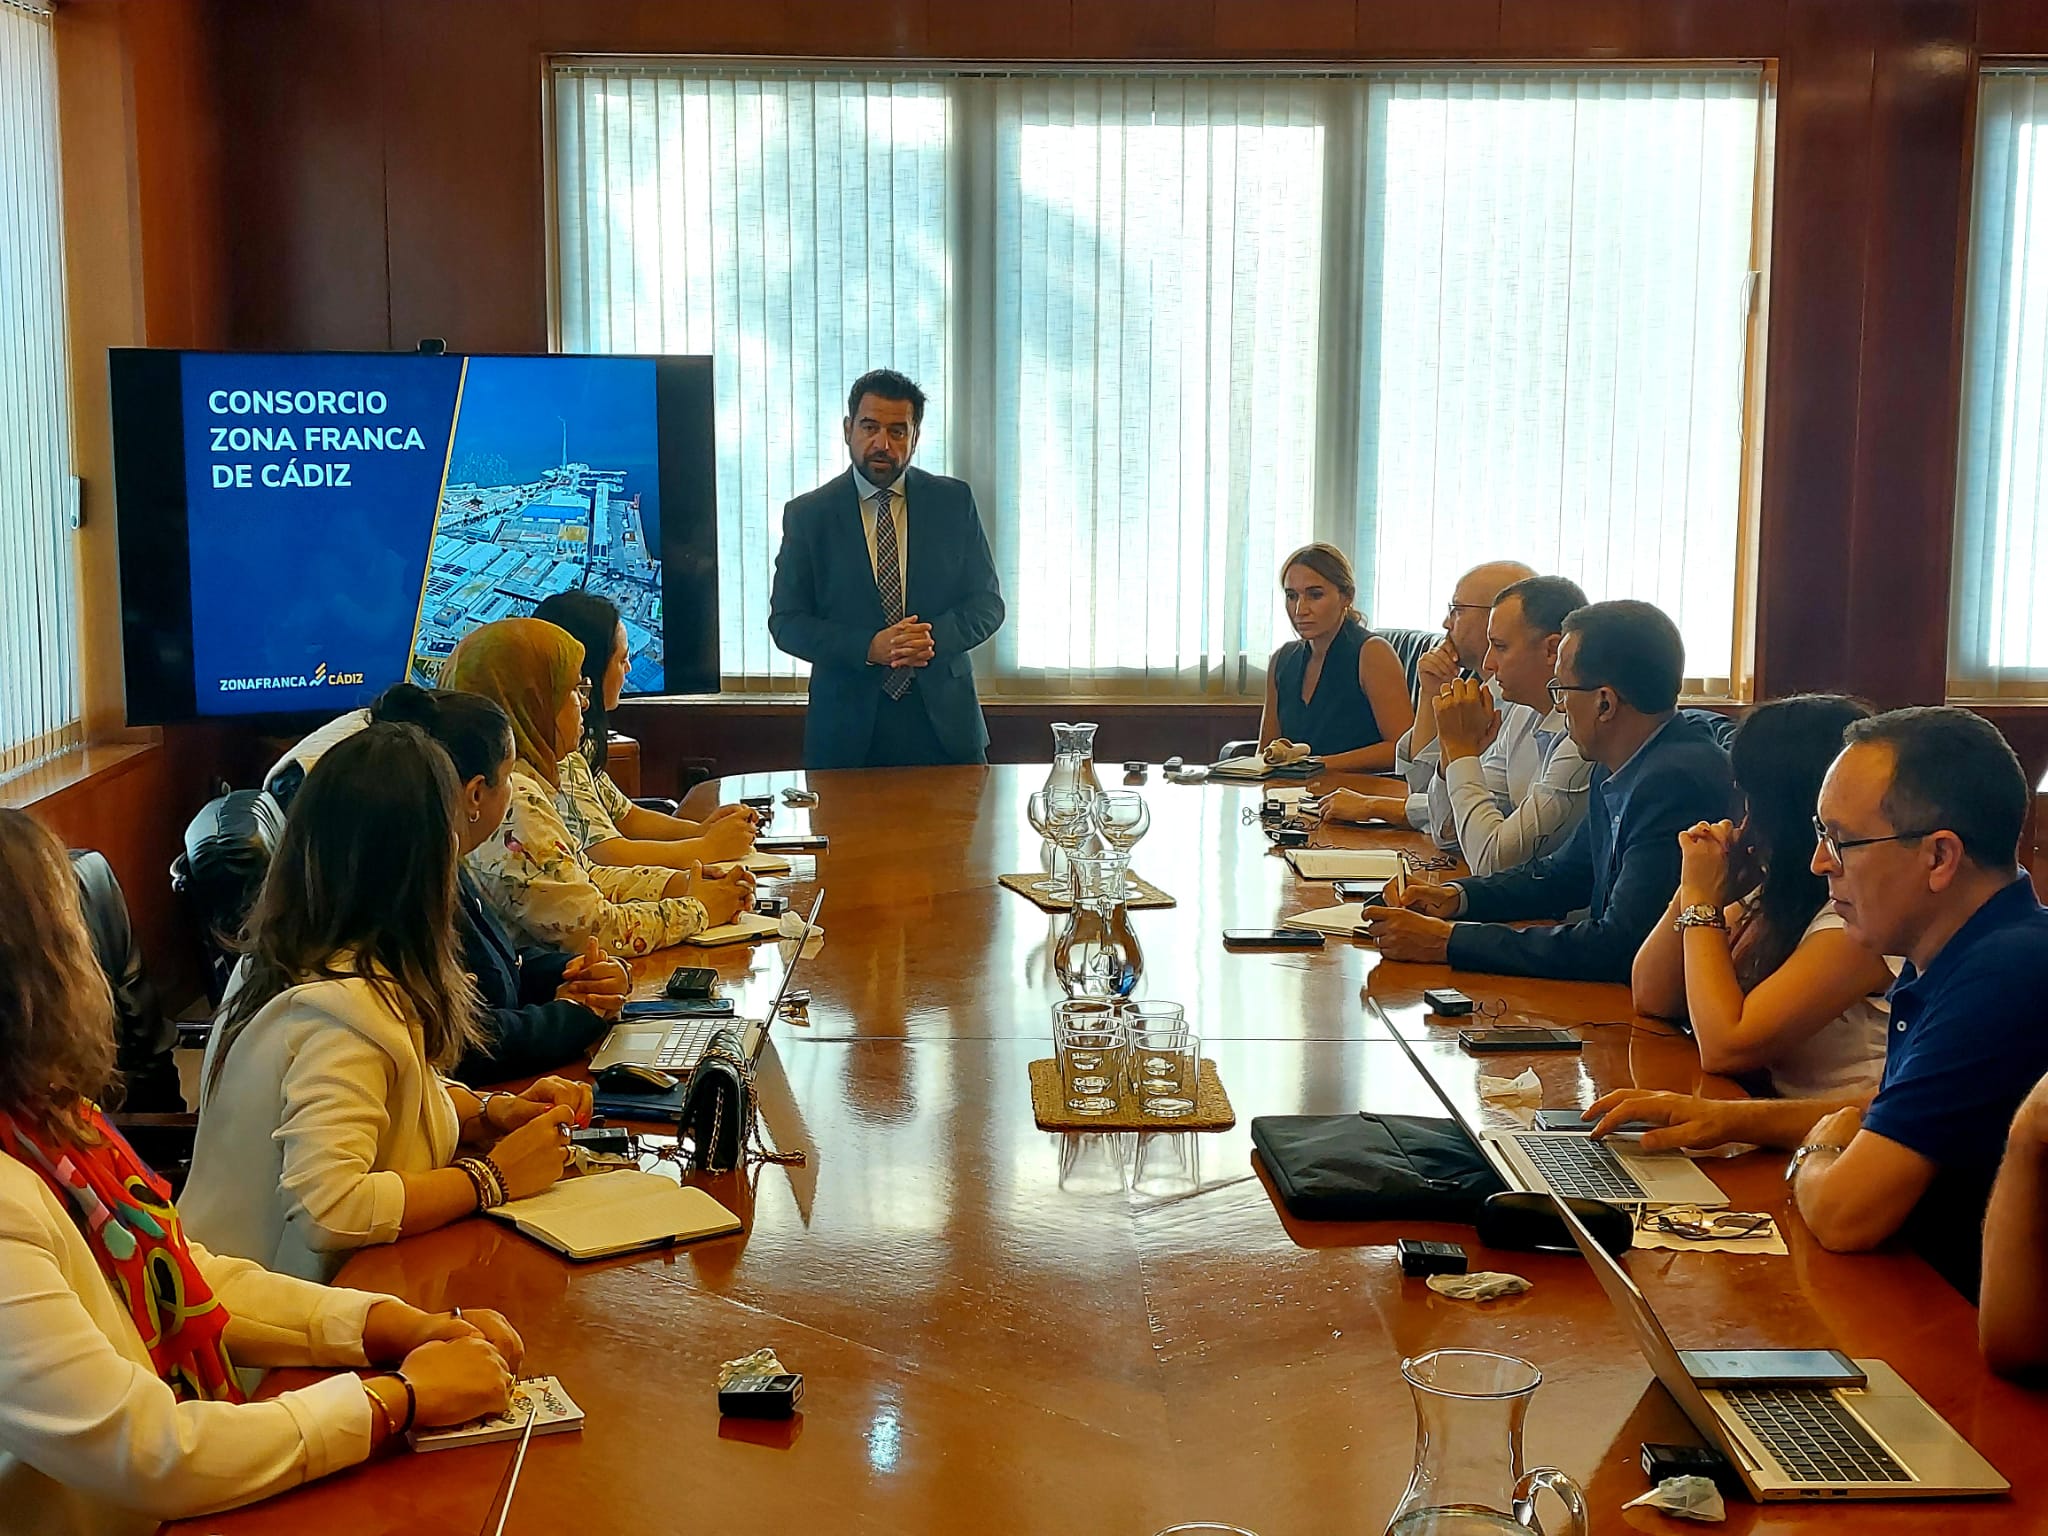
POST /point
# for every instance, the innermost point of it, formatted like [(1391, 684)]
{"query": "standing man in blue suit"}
[(884, 583)]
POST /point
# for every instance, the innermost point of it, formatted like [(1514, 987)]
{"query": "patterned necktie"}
[(889, 584)]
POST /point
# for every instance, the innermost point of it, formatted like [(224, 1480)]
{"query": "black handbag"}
[(719, 1119), (1374, 1167)]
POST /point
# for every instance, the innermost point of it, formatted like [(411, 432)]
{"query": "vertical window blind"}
[(1174, 326), (1998, 625), (39, 705)]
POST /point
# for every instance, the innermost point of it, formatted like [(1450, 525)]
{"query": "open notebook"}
[(1342, 921), (602, 1214), (1345, 863)]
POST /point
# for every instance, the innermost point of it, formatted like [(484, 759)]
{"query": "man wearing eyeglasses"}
[(1417, 755), (1655, 772), (1918, 836)]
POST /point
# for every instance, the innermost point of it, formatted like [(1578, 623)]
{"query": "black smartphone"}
[(804, 842), (678, 1008), (1273, 938), (690, 981), (610, 1141), (1367, 891), (1572, 1120), (1770, 1367), (1482, 1042)]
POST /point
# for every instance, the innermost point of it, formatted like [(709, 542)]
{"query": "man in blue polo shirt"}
[(1918, 835)]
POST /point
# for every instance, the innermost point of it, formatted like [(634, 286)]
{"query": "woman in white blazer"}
[(121, 1341), (325, 1125)]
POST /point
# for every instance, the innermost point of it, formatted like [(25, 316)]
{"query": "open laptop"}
[(675, 1045), (1877, 1441), (1571, 1163)]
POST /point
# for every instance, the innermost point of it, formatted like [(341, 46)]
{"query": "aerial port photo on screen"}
[(531, 509)]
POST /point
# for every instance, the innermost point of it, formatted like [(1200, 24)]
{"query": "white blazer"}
[(325, 1099), (93, 1443)]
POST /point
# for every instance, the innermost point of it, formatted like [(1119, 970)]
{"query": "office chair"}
[(228, 848), (152, 1113)]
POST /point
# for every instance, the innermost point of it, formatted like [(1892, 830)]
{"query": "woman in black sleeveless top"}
[(1339, 689)]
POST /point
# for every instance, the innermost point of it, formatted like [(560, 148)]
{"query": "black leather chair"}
[(151, 1111), (228, 848)]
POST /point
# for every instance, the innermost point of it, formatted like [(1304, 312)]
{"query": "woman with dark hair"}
[(1751, 951), (534, 871), (120, 1338), (324, 1123), (612, 828), (542, 1007), (1337, 689)]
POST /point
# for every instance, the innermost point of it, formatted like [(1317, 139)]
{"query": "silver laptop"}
[(1571, 1162), (1877, 1441), (675, 1045)]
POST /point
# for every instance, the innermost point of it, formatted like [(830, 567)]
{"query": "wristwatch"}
[(1811, 1149), (1701, 914)]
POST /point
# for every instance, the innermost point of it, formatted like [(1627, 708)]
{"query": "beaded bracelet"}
[(412, 1401), (485, 1180), (497, 1178)]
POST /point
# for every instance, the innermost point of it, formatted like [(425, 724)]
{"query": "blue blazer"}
[(824, 607), (1621, 868)]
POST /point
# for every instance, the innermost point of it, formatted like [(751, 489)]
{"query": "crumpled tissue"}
[(1482, 1285), (792, 928), (1280, 752), (1525, 1088), (1689, 1498), (761, 1362)]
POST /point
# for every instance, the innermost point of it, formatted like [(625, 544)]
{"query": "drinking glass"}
[(1153, 1020), (1172, 1072), (1091, 1063), (1122, 817), (1056, 882), (1166, 1164)]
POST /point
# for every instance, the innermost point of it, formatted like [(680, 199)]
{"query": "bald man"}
[(1417, 755)]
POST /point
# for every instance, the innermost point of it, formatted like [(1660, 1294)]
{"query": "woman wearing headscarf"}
[(534, 873)]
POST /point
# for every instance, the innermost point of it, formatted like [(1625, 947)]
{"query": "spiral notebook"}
[(554, 1413)]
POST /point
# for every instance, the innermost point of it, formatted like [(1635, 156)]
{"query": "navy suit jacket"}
[(530, 1030), (824, 607), (1621, 872)]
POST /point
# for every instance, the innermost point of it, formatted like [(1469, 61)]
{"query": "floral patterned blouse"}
[(534, 874), (590, 803)]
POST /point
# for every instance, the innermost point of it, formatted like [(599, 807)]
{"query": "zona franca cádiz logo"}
[(321, 678)]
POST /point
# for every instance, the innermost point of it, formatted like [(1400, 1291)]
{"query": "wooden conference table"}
[(1005, 1330)]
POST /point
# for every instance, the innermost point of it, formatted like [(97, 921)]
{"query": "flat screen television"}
[(300, 530)]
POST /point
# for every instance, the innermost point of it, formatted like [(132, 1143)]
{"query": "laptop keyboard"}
[(1814, 1437), (685, 1044), (1574, 1166)]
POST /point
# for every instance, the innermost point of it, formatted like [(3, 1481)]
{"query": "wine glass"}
[(1055, 882), (1122, 817)]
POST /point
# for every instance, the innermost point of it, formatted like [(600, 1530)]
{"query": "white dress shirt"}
[(899, 518), (1520, 798), (324, 1101), (93, 1443), (1431, 812)]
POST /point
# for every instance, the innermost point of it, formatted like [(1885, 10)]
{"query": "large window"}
[(1998, 623), (39, 708), (1175, 326)]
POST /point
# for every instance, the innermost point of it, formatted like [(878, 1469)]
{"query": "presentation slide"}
[(350, 517)]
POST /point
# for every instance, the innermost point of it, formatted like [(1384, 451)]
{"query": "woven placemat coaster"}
[(1049, 1107), (1026, 885)]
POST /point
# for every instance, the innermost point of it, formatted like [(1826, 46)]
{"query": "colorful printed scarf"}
[(125, 1212)]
